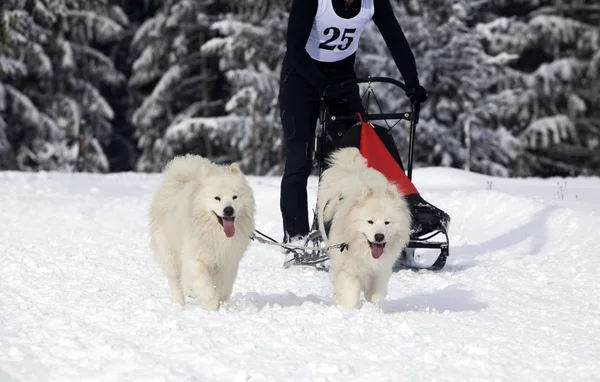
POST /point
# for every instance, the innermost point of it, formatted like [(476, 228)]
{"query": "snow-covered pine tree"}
[(3, 28), (457, 73), (19, 116), (173, 80), (249, 48), (53, 75), (513, 84), (550, 100)]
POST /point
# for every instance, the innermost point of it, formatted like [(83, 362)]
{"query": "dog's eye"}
[(234, 197), (217, 198), (370, 222), (386, 223)]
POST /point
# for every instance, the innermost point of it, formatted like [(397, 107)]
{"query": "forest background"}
[(108, 86)]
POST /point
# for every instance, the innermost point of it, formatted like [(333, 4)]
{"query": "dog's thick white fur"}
[(371, 216), (201, 218)]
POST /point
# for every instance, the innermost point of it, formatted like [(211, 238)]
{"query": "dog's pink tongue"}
[(228, 227), (376, 251)]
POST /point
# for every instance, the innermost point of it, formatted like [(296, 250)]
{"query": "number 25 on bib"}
[(333, 38), (339, 40)]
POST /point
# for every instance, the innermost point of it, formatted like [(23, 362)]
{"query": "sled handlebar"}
[(412, 116), (365, 80)]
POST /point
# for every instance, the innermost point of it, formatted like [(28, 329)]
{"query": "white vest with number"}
[(333, 38)]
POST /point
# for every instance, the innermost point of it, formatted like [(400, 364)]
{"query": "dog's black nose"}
[(379, 237), (228, 211)]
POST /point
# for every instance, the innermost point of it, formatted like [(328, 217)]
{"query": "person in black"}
[(302, 84)]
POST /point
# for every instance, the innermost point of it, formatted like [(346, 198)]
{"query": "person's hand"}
[(417, 94)]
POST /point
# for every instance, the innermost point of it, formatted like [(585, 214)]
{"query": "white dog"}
[(368, 213), (201, 219)]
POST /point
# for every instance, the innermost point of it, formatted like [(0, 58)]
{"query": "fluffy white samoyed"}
[(201, 218), (358, 206)]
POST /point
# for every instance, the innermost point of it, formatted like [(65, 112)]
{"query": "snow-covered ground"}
[(81, 298)]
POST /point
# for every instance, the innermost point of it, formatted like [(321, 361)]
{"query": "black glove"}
[(417, 94)]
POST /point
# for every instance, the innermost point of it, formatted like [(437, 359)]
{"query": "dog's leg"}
[(378, 289), (367, 287), (203, 286), (169, 262), (176, 291), (225, 278), (346, 290), (201, 283), (196, 277)]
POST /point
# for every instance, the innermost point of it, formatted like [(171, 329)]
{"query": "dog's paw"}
[(177, 296), (376, 298), (378, 291), (178, 299), (212, 304), (348, 303), (347, 299)]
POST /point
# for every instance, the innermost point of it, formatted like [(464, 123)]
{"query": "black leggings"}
[(299, 111)]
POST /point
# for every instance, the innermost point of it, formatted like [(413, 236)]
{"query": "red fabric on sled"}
[(379, 158)]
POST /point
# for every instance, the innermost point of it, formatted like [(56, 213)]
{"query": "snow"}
[(82, 299), (189, 128), (168, 80), (68, 58), (12, 67), (544, 132), (22, 104), (43, 64), (97, 28)]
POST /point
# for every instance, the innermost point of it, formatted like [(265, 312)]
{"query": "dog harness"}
[(333, 38), (327, 223)]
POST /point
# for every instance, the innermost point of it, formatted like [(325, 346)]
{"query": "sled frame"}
[(313, 255)]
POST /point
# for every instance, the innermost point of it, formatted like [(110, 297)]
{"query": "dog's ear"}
[(392, 191), (367, 192), (234, 167)]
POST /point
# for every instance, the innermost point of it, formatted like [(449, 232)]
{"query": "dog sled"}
[(429, 230)]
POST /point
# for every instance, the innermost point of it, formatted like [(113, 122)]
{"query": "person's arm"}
[(300, 24), (396, 42)]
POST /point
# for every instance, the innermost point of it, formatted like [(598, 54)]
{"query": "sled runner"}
[(376, 144)]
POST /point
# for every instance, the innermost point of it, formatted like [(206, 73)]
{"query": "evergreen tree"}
[(250, 51), (552, 89), (53, 73), (106, 85), (173, 80), (454, 68), (513, 84)]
